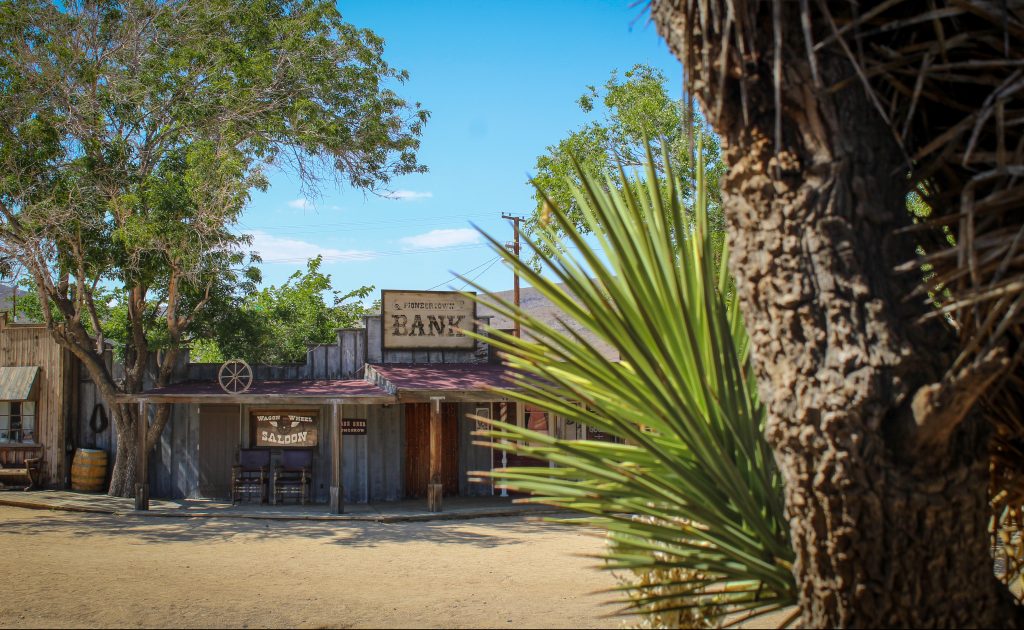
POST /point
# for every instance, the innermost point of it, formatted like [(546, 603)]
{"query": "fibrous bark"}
[(884, 458)]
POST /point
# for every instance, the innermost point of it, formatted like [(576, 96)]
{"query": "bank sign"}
[(426, 320)]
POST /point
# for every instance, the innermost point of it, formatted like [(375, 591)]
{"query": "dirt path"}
[(64, 569)]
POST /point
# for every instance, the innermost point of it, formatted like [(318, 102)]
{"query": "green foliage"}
[(631, 108), (278, 324), (131, 135), (693, 494)]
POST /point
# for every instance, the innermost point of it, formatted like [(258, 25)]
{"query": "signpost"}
[(427, 320)]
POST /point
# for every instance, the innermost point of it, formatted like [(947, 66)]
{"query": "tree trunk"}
[(885, 468), (122, 475)]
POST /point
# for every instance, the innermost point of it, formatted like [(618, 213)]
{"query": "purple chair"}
[(251, 475), (293, 475)]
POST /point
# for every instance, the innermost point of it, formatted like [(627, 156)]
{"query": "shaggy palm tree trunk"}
[(884, 463)]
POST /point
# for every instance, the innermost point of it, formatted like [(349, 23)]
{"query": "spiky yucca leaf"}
[(694, 486)]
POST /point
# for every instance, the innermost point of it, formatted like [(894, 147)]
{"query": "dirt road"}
[(66, 569)]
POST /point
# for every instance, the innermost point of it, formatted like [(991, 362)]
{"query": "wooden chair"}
[(22, 465), (293, 476), (250, 476)]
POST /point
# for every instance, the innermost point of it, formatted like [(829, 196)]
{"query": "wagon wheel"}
[(235, 376)]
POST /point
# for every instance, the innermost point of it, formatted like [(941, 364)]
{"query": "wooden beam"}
[(450, 395), (141, 465), (252, 399), (435, 487), (337, 442)]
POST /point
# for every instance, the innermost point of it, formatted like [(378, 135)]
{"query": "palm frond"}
[(693, 487)]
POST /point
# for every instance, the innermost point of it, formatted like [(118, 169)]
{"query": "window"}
[(18, 422)]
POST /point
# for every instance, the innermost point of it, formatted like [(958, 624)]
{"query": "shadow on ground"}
[(350, 533)]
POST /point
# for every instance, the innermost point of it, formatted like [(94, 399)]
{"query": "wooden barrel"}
[(89, 470)]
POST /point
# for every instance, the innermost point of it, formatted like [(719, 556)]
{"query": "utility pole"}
[(515, 250)]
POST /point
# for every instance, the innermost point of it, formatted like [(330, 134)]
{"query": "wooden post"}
[(141, 465), (435, 488), (337, 441)]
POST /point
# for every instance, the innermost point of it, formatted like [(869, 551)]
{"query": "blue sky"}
[(501, 81)]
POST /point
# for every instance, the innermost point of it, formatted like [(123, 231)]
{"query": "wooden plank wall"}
[(471, 457), (372, 464), (31, 345), (174, 462)]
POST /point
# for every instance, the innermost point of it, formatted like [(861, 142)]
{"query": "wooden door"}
[(417, 449), (219, 439)]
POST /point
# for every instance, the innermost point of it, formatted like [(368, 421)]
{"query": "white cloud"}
[(273, 249), (409, 195), (301, 204), (443, 238)]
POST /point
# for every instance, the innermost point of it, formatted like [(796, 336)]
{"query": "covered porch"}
[(403, 432)]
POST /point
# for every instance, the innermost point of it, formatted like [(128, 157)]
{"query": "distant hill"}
[(542, 308), (6, 292)]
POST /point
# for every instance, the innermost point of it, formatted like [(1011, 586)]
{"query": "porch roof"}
[(418, 382), (17, 383), (308, 392)]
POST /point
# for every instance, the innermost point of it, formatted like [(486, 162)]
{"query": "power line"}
[(390, 221), (370, 255), (491, 261), (473, 279)]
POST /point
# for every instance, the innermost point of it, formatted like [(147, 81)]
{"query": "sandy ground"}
[(67, 569)]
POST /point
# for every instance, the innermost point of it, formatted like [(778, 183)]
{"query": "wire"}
[(446, 281), (473, 279)]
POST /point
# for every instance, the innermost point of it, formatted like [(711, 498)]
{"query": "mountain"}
[(541, 308)]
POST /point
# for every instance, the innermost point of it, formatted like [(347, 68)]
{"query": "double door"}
[(417, 449)]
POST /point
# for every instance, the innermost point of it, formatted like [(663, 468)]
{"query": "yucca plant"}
[(693, 495)]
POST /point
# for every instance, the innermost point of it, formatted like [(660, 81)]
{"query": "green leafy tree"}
[(131, 133), (278, 324), (629, 108), (691, 498)]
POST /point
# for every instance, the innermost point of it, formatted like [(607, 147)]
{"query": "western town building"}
[(381, 414)]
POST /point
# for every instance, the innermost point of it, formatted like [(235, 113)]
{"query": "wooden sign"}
[(352, 426), (285, 429), (426, 320)]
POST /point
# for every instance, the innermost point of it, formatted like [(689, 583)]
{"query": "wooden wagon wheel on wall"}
[(235, 376)]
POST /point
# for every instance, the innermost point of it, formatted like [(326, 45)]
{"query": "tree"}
[(829, 113), (278, 324), (131, 133), (631, 108)]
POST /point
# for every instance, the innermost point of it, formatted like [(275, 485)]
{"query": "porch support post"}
[(141, 465), (435, 488), (337, 437)]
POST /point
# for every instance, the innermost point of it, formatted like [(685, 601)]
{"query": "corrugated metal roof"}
[(443, 376), (16, 383), (262, 392)]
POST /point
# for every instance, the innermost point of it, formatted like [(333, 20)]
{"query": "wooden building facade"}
[(38, 395), (386, 446)]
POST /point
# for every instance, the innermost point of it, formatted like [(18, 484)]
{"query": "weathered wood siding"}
[(28, 345), (372, 464), (471, 457)]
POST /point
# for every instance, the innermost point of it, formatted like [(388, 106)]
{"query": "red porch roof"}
[(271, 392), (454, 381)]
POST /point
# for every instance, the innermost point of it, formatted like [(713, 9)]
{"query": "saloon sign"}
[(427, 320), (285, 429)]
